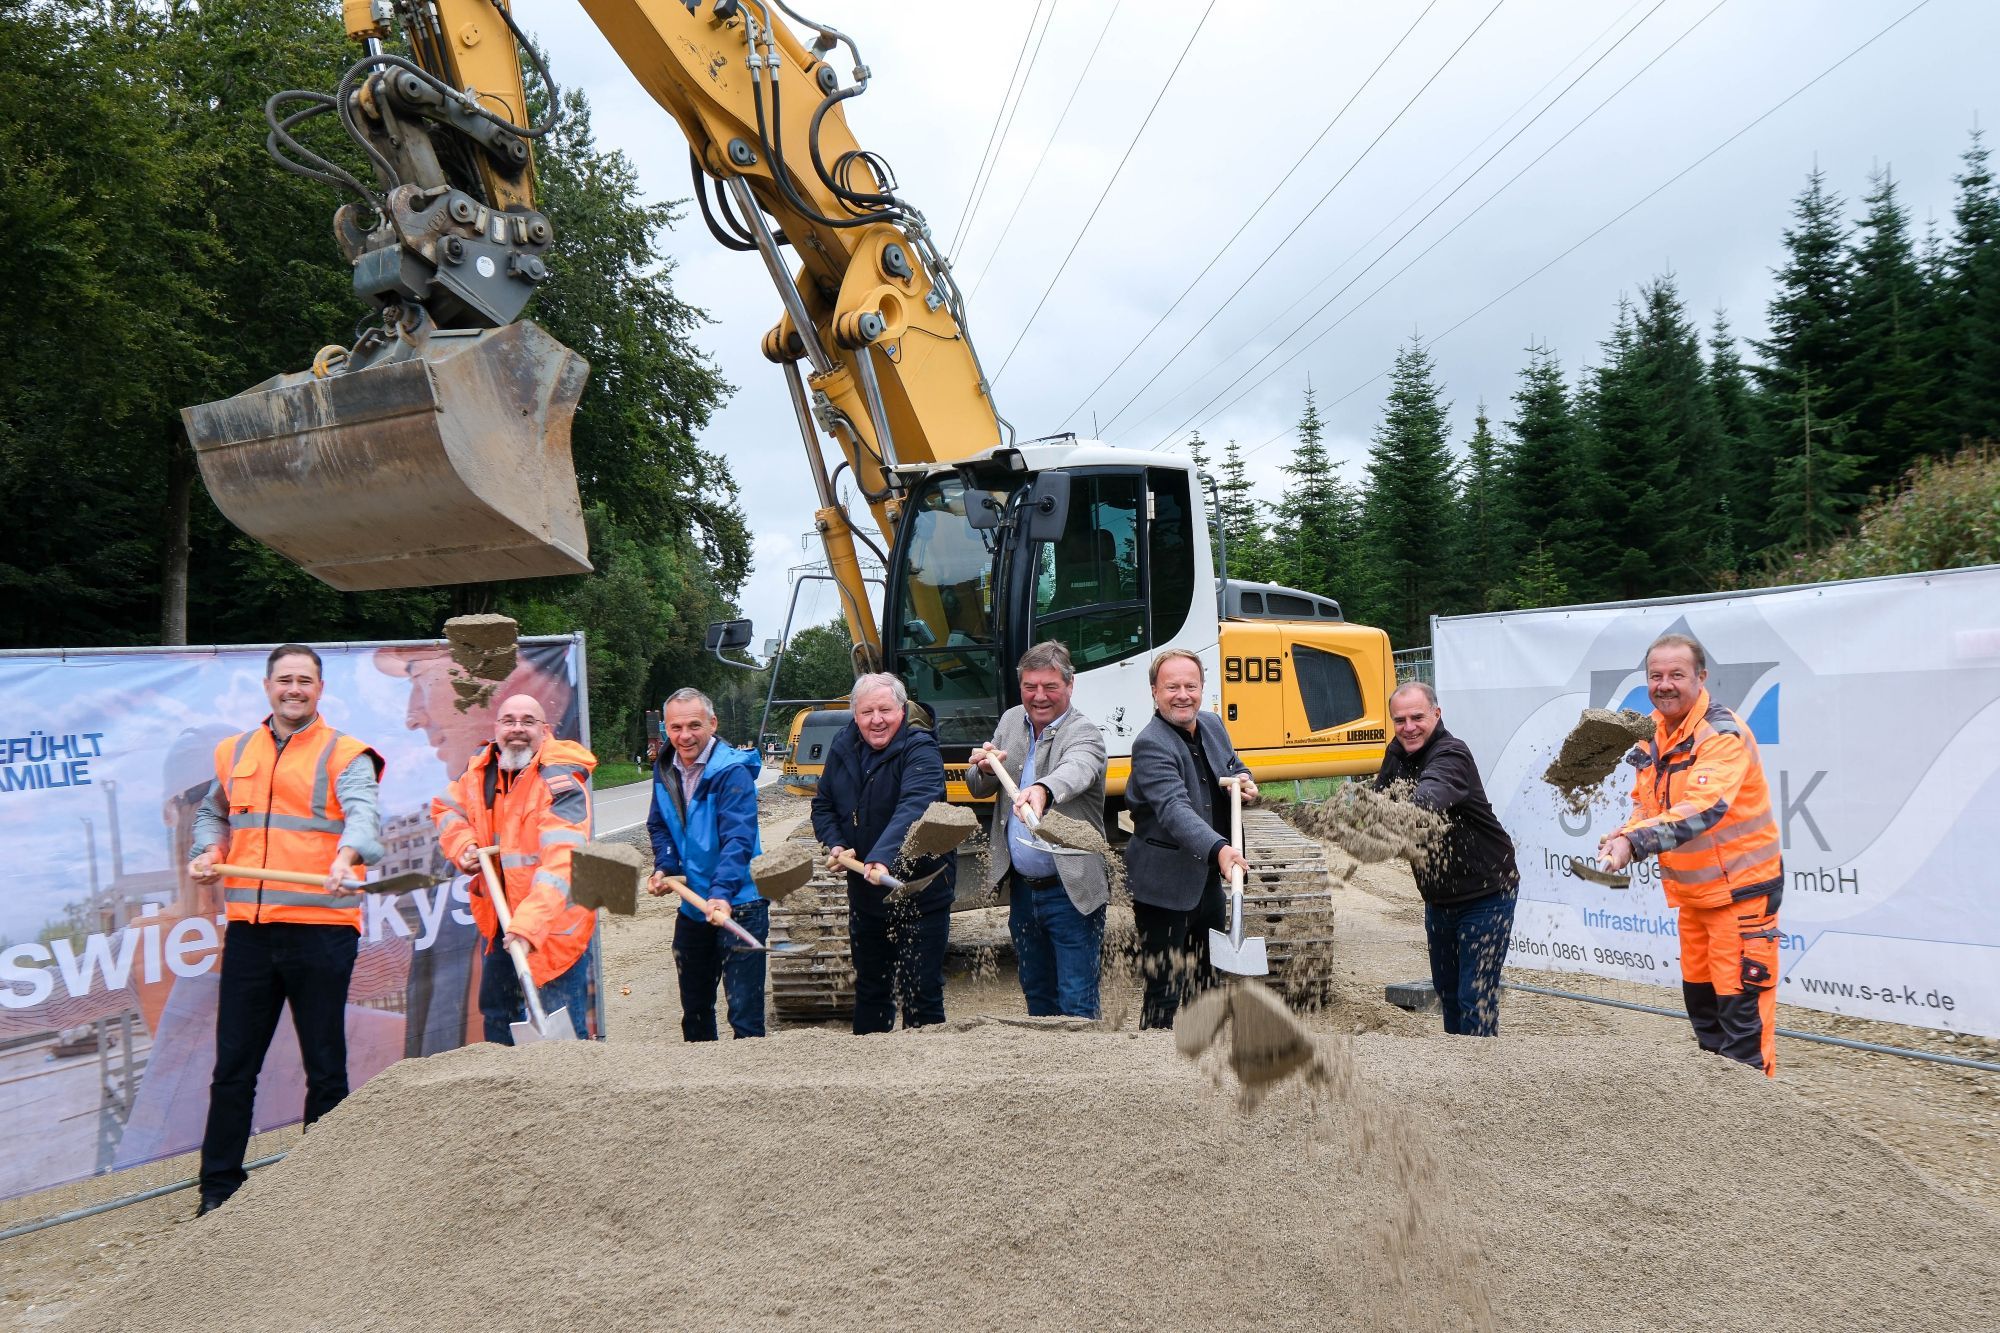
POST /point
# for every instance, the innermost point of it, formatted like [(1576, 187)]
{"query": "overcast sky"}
[(1258, 85)]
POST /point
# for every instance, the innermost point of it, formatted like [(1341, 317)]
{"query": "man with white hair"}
[(703, 823), (1469, 882), (528, 793)]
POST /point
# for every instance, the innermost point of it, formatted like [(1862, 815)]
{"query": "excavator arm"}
[(467, 409)]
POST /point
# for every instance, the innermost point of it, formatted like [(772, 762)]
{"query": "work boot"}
[(208, 1205)]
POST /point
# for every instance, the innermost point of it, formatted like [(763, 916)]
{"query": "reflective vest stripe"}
[(556, 836), (257, 819), (1718, 837), (292, 898), (513, 861)]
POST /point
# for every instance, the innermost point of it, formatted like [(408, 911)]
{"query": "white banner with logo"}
[(1876, 706), (109, 954)]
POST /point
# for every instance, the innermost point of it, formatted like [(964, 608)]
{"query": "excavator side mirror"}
[(982, 510), (1047, 509), (729, 636)]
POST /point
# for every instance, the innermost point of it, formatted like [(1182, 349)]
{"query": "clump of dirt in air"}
[(1063, 830), (941, 828), (782, 871), (1591, 751), (484, 648), (606, 875), (1369, 825)]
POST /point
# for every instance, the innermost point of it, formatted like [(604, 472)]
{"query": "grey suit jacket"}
[(1169, 858), (1070, 763)]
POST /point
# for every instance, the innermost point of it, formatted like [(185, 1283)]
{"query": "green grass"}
[(617, 773), (1307, 789)]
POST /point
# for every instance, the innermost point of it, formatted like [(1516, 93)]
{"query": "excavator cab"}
[(443, 457)]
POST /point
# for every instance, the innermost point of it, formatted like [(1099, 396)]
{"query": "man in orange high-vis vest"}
[(529, 794), (289, 794), (1702, 808)]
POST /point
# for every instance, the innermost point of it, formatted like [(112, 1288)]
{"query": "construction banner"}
[(109, 953), (1876, 708)]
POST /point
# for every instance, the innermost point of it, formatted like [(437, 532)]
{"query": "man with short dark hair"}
[(1180, 849), (703, 825), (1056, 898), (1469, 881), (1702, 807), (289, 794)]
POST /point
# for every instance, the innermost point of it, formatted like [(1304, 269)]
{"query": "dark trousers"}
[(1173, 952), (1468, 943), (263, 966), (501, 1003), (898, 959), (705, 956)]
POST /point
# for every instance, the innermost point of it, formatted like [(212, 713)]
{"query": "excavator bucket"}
[(445, 461)]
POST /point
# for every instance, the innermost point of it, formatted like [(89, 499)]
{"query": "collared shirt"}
[(691, 777), (1030, 860), (356, 785)]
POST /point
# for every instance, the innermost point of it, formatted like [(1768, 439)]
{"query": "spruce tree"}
[(1541, 470), (1407, 515), (1972, 321), (1484, 561), (1241, 520), (1313, 518), (1681, 444), (1886, 393), (1806, 356), (1198, 454), (1746, 501)]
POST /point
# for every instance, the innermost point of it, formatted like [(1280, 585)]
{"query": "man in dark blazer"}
[(1180, 851)]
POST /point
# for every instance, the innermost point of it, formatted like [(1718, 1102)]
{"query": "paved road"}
[(621, 808)]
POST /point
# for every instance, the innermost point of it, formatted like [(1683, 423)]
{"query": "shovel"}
[(1591, 874), (1028, 817), (1233, 952), (898, 888), (746, 939), (403, 883), (540, 1026)]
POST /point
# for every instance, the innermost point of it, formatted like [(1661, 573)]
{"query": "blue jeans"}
[(501, 1003), (1059, 948), (1468, 948), (705, 955)]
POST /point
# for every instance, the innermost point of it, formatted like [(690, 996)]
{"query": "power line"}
[(1646, 198), (993, 168), (1432, 210), (1254, 215), (1425, 193), (1034, 314), (994, 133), (1272, 253), (1076, 86)]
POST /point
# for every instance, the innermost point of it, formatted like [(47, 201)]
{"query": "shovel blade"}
[(558, 1028), (1245, 958)]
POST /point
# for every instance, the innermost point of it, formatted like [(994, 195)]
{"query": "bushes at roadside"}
[(1945, 515)]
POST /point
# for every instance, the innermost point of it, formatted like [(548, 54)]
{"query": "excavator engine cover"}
[(444, 460)]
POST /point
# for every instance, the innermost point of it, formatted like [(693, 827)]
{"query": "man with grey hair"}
[(1055, 897), (1469, 881), (703, 823)]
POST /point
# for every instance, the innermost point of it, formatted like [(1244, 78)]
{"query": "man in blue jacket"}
[(703, 823)]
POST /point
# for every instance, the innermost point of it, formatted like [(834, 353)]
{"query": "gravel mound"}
[(1032, 1175)]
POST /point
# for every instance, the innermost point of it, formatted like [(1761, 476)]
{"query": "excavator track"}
[(1285, 899)]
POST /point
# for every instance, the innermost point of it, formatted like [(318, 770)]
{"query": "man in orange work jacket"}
[(528, 793), (289, 794), (1703, 808)]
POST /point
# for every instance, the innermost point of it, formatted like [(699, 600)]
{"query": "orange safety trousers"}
[(1729, 979)]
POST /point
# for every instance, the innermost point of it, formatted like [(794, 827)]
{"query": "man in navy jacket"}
[(881, 774), (703, 823)]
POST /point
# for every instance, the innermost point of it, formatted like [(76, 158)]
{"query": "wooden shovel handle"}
[(693, 899), (848, 861), (278, 876), (1008, 785)]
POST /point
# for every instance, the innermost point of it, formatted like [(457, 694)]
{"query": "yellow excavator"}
[(436, 449)]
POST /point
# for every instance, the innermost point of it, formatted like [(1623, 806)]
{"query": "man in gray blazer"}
[(1180, 850), (1056, 897)]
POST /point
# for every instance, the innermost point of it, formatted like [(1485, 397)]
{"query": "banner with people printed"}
[(1876, 708), (109, 953)]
